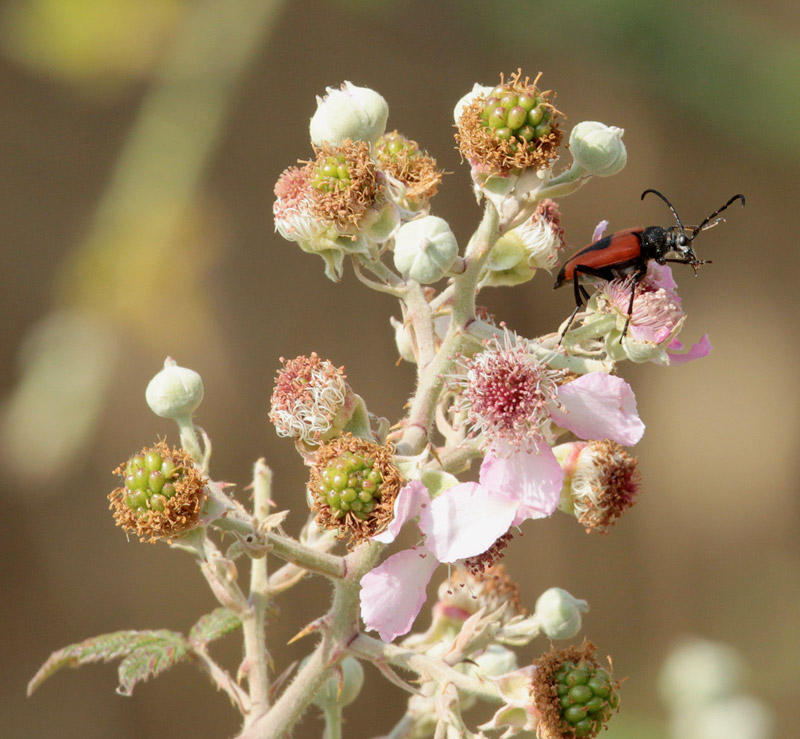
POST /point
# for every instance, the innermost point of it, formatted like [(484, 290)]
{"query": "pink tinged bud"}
[(599, 406), (393, 594)]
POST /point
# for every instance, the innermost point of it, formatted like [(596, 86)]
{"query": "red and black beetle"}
[(628, 252)]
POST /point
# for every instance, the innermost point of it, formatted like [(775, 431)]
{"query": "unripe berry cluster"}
[(512, 116), (149, 481), (331, 174), (587, 696), (350, 483)]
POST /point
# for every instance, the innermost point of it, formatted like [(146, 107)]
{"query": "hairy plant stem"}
[(309, 559), (428, 668), (338, 628), (431, 376), (254, 616)]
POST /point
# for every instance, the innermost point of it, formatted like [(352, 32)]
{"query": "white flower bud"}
[(559, 614), (425, 249), (175, 392), (598, 148), (355, 113)]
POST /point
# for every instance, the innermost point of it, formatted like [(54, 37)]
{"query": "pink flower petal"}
[(410, 500), (661, 276), (393, 593), (533, 479), (599, 230), (466, 520), (599, 406), (701, 349)]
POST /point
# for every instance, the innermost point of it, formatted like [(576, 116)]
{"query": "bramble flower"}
[(335, 205), (353, 487), (601, 481), (311, 401), (412, 176), (510, 397), (162, 496), (574, 696), (533, 245), (349, 112), (467, 524)]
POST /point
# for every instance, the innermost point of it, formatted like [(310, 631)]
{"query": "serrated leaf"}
[(151, 659), (96, 649), (214, 625)]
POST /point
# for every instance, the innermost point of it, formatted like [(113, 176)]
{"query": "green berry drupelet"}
[(574, 695), (162, 494), (353, 485)]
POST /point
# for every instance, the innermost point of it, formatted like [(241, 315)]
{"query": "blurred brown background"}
[(140, 144)]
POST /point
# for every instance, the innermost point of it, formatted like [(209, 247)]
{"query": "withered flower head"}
[(353, 485), (163, 493), (514, 127), (406, 162), (344, 185)]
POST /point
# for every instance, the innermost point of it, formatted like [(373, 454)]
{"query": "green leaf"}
[(214, 625), (101, 648), (151, 659)]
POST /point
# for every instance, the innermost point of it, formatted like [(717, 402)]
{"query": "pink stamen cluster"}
[(505, 392), (656, 313)]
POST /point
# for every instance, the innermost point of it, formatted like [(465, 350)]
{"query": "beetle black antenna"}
[(699, 228), (674, 212)]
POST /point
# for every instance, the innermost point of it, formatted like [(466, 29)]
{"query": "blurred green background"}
[(140, 144)]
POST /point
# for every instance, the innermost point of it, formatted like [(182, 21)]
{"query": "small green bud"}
[(175, 392), (350, 112), (559, 614), (425, 249), (598, 148), (341, 695)]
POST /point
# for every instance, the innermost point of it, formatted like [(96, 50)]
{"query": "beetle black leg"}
[(637, 278), (581, 293)]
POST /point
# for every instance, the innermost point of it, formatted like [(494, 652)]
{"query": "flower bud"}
[(598, 148), (175, 392), (425, 249), (559, 614), (350, 112), (343, 688)]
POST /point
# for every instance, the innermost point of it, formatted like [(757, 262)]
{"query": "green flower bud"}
[(598, 148), (333, 693), (350, 112), (175, 392), (559, 614), (425, 249)]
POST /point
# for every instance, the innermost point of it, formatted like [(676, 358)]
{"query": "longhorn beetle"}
[(628, 252)]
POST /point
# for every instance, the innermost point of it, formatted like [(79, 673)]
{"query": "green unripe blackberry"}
[(162, 493), (353, 486), (331, 174), (350, 484), (516, 117), (149, 481), (393, 145), (587, 696)]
